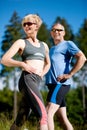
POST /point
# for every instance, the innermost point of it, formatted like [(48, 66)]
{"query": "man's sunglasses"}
[(28, 23), (58, 30)]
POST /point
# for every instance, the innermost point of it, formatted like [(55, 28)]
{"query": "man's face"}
[(57, 32)]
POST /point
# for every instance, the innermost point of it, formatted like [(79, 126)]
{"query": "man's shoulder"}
[(69, 42)]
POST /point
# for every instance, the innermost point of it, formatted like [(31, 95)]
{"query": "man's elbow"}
[(84, 59), (49, 65)]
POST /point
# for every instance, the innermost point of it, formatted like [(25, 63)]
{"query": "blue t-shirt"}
[(60, 56)]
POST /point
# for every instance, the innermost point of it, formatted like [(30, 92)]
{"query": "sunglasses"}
[(28, 23), (58, 30)]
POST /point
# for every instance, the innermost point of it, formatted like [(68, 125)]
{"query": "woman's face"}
[(29, 27)]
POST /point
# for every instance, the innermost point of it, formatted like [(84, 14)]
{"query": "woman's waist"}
[(28, 74), (36, 65), (37, 72)]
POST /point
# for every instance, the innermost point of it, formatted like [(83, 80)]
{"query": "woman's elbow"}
[(4, 61)]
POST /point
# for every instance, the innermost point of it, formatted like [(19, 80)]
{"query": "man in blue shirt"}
[(58, 77)]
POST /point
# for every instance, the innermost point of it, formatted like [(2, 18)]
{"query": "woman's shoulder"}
[(20, 41), (46, 46), (44, 43)]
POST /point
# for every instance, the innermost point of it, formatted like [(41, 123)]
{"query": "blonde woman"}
[(35, 64)]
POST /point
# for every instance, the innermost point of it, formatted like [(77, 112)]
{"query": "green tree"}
[(81, 78), (13, 32), (6, 96), (81, 37), (43, 34), (75, 106)]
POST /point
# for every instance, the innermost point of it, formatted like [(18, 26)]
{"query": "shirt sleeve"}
[(72, 48)]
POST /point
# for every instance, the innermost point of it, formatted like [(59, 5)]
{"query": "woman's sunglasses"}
[(28, 23)]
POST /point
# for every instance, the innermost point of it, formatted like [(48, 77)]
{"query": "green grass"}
[(5, 124)]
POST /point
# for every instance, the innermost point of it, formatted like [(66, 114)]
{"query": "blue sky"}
[(74, 11)]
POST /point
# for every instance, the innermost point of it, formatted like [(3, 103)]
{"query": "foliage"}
[(81, 40), (81, 37), (75, 106), (13, 32), (44, 95), (6, 96), (43, 33)]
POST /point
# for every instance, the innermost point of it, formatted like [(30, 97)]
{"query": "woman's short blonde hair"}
[(33, 18)]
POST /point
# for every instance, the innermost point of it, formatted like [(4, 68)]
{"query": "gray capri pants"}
[(31, 99)]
